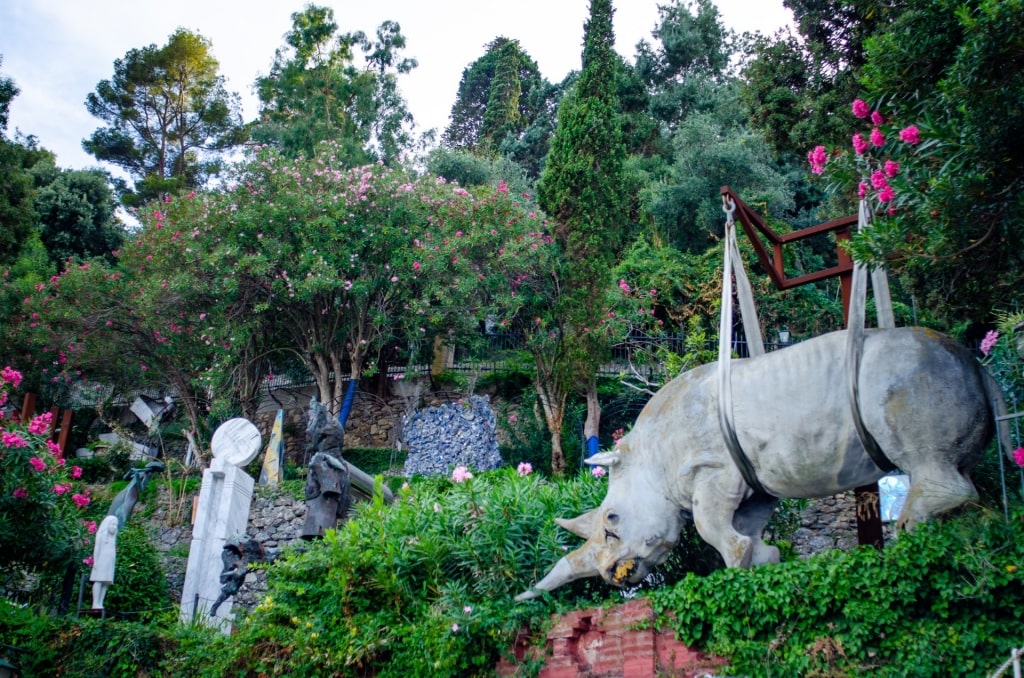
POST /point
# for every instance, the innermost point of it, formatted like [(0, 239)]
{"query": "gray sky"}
[(57, 50)]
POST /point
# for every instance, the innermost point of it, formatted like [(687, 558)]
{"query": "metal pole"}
[(81, 593)]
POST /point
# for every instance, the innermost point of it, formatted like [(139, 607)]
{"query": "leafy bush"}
[(139, 590), (81, 647), (424, 586), (374, 460), (945, 596)]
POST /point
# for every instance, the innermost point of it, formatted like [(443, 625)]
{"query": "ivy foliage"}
[(943, 600)]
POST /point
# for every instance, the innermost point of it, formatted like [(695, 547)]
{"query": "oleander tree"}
[(158, 317), (938, 123), (350, 262), (42, 528)]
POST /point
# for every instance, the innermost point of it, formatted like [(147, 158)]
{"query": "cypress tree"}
[(582, 190)]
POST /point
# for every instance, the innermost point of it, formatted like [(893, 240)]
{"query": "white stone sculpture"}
[(104, 557), (222, 512)]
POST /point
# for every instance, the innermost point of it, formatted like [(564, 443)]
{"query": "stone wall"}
[(275, 519)]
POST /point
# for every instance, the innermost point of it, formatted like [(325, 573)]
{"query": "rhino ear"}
[(581, 526), (604, 459)]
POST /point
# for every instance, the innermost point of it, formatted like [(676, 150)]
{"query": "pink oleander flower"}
[(877, 138), (20, 493), (87, 561), (878, 180), (989, 342), (76, 472), (468, 609), (524, 469), (598, 472), (59, 488), (11, 376), (13, 440), (81, 500), (460, 474), (37, 463), (415, 265), (910, 134), (1018, 456), (818, 159), (455, 628), (886, 194), (891, 168), (860, 108), (54, 449), (877, 119), (624, 286), (859, 144), (862, 190), (90, 526), (41, 424)]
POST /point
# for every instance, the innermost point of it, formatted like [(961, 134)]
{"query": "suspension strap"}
[(733, 264), (855, 339)]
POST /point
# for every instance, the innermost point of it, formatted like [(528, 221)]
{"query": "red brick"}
[(602, 643)]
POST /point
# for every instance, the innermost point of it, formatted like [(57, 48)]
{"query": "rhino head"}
[(633, 530)]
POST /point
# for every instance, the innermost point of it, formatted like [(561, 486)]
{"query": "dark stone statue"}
[(327, 494), (124, 502), (327, 481), (238, 552), (323, 432)]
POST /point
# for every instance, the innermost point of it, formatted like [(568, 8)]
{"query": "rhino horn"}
[(604, 459), (579, 564), (582, 525)]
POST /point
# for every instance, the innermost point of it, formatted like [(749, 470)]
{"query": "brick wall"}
[(605, 643)]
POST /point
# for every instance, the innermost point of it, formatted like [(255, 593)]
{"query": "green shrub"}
[(945, 600), (139, 590), (374, 460), (507, 384), (421, 587), (81, 648)]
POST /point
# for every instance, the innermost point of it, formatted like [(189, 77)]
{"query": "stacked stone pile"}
[(462, 433)]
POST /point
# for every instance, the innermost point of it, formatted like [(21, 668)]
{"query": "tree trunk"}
[(592, 425), (552, 402)]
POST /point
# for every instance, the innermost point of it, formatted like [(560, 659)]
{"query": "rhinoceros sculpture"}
[(927, 401)]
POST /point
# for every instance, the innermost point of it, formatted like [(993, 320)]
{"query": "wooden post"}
[(28, 407)]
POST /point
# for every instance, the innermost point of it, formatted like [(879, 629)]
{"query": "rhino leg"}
[(934, 489), (750, 519), (714, 507)]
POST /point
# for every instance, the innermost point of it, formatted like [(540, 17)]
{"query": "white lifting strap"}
[(855, 338), (733, 265)]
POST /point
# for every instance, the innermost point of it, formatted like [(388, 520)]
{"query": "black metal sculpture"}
[(124, 502), (238, 552)]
